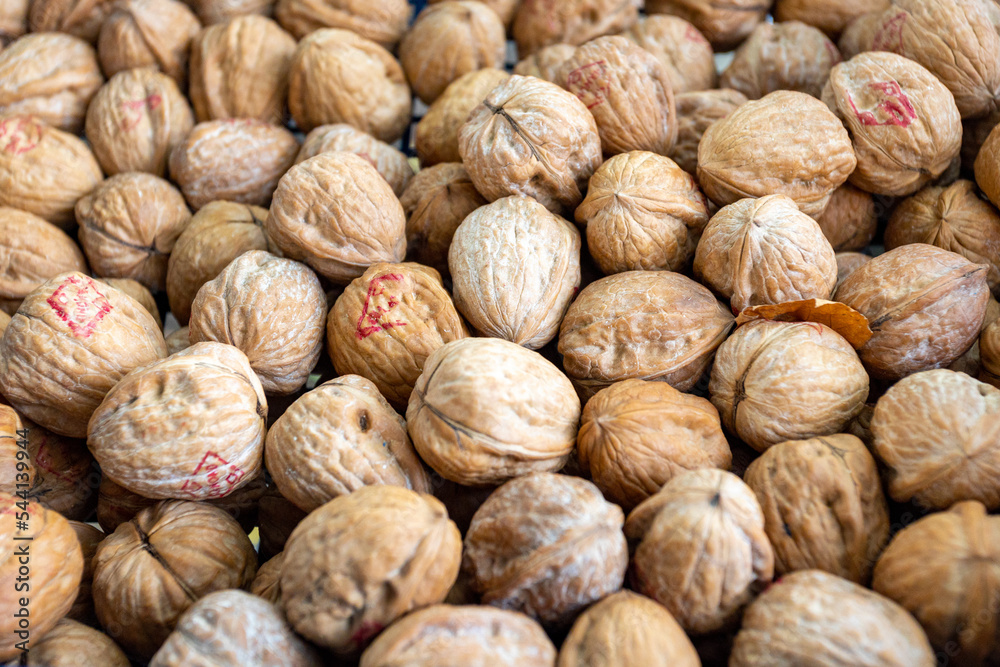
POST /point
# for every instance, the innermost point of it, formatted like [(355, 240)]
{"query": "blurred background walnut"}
[(681, 49), (148, 33), (89, 537), (724, 23), (541, 23), (70, 642), (850, 219), (383, 22), (390, 162), (211, 12), (695, 112), (545, 62), (140, 293), (830, 16), (80, 18)]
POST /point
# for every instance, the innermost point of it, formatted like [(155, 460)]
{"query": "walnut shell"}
[(337, 76), (857, 36), (650, 325), (14, 448), (681, 49), (83, 604), (52, 554), (832, 622), (379, 553), (238, 160), (177, 341), (88, 347), (850, 220), (70, 643), (758, 150), (148, 33), (702, 551), (695, 112), (154, 567), (830, 16), (725, 23), (390, 162), (925, 305), (80, 18), (13, 20), (775, 381), (848, 263), (266, 584), (231, 629), (989, 349), (31, 252), (211, 12), (239, 69), (546, 545), (541, 23), (140, 293), (278, 517), (975, 131), (383, 22), (128, 226), (66, 477), (437, 132), (765, 251), (986, 171), (545, 62), (533, 138), (51, 76), (461, 636)]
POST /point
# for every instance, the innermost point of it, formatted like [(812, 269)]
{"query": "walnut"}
[(50, 76), (380, 553), (383, 22), (830, 620), (238, 160), (71, 643), (266, 584), (128, 226), (758, 150), (80, 18), (975, 131), (986, 171), (148, 33), (448, 40), (338, 215), (515, 268), (239, 69), (461, 635), (339, 77), (14, 448), (437, 132), (830, 16), (702, 551), (140, 293), (90, 335), (4, 322), (390, 162), (695, 112), (65, 475), (531, 137), (850, 219), (13, 20), (505, 9), (724, 23), (545, 63), (989, 348), (541, 23), (178, 340), (926, 306), (857, 36), (154, 567), (546, 545), (278, 517), (681, 49), (848, 263), (83, 605), (212, 12), (650, 325)]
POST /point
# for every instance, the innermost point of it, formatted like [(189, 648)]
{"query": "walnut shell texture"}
[(541, 23), (680, 48), (266, 583), (80, 18), (384, 22), (695, 112), (986, 170), (66, 477), (848, 263), (148, 33), (989, 348), (13, 20), (830, 16), (725, 23), (390, 162), (545, 62), (71, 643), (32, 251), (211, 12), (11, 441), (850, 220)]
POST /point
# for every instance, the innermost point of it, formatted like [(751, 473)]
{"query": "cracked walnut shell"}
[(684, 52), (383, 22), (725, 23), (390, 162), (32, 251), (695, 112), (148, 33)]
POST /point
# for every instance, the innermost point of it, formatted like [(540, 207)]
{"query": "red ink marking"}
[(366, 631), (588, 83), (44, 461), (895, 106), (692, 34), (82, 310), (367, 157), (218, 480), (890, 36), (19, 134), (134, 110), (370, 321)]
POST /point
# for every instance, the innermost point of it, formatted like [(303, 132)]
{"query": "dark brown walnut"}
[(485, 410), (765, 251), (189, 426), (833, 621), (51, 76), (903, 121), (383, 22), (271, 309), (546, 545), (986, 167), (237, 160), (231, 629), (436, 202), (140, 293), (533, 138), (702, 551), (13, 20), (267, 583), (545, 63), (437, 132), (83, 605), (505, 9), (31, 251), (838, 522), (450, 39), (461, 636), (650, 325), (239, 69), (850, 220), (695, 112), (776, 381), (830, 16), (515, 268), (211, 12), (635, 436), (857, 36), (55, 567), (337, 76), (848, 263), (80, 18), (70, 643), (937, 435), (128, 226), (541, 23), (154, 567), (90, 335), (681, 49), (148, 33), (724, 23), (338, 215), (217, 234), (390, 162), (361, 561), (925, 305), (65, 476), (758, 150), (135, 120), (278, 517), (989, 349), (387, 322)]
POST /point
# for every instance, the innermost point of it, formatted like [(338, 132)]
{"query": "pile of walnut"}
[(641, 361)]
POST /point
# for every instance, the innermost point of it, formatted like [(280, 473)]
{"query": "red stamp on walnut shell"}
[(375, 314), (588, 83), (890, 36), (20, 134), (134, 110), (893, 108), (221, 477), (79, 304)]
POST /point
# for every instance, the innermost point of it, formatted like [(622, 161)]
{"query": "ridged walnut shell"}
[(154, 567), (83, 605), (857, 36), (361, 561), (90, 335), (267, 582), (830, 16), (759, 149), (702, 551), (338, 215), (189, 426), (838, 522), (4, 321), (650, 325), (986, 167), (925, 306), (695, 112), (545, 63), (725, 23), (390, 162), (533, 138), (989, 349), (850, 220), (13, 20), (140, 293), (148, 33), (66, 477), (776, 381), (546, 545), (71, 643), (384, 22), (541, 23), (80, 18), (505, 9), (21, 468), (680, 48), (32, 251), (211, 12)]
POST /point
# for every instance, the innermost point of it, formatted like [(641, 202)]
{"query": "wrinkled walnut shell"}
[(148, 33), (83, 605), (695, 112), (71, 643), (725, 23), (850, 220), (541, 23), (830, 16), (384, 22), (545, 63), (683, 51), (390, 162)]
